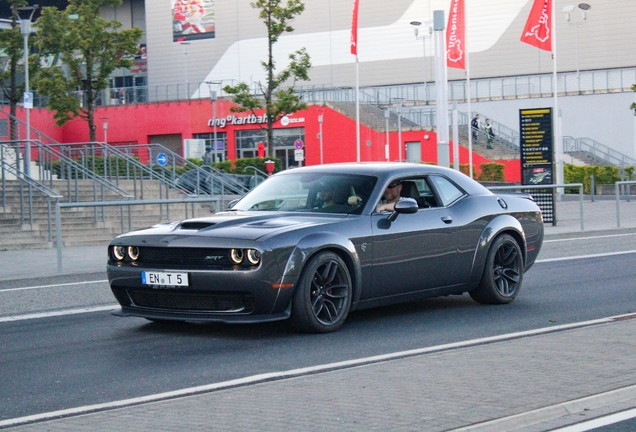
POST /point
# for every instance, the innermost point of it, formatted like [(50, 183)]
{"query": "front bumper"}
[(211, 296)]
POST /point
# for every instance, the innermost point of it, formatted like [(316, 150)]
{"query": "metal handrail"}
[(482, 89), (598, 150), (31, 185), (122, 204), (256, 172), (617, 193), (174, 160)]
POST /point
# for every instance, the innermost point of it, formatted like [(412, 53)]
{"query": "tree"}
[(278, 101), (91, 48), (11, 43)]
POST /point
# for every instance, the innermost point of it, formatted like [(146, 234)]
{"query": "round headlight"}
[(119, 252), (253, 256), (133, 252), (236, 255)]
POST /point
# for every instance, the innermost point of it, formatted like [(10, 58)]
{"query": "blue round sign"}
[(298, 144), (162, 159)]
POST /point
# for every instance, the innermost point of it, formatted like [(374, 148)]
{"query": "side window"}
[(448, 192)]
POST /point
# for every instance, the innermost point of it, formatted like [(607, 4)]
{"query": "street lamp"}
[(423, 38), (25, 13), (214, 98), (583, 7), (320, 120), (105, 125), (185, 61)]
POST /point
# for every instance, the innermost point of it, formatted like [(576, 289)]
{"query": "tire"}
[(503, 273), (322, 299)]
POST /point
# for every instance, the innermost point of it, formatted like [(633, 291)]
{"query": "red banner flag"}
[(455, 36), (354, 29), (538, 29)]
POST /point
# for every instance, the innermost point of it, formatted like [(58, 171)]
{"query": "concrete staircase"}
[(501, 149), (84, 226)]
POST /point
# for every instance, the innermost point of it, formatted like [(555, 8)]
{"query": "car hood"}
[(238, 225)]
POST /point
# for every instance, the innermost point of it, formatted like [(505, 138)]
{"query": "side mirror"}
[(232, 204), (404, 205)]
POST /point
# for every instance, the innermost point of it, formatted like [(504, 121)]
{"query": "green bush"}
[(492, 172), (602, 175)]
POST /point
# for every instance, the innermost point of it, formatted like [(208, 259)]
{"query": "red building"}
[(172, 124)]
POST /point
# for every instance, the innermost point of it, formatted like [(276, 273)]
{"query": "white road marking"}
[(603, 421), (53, 286), (586, 256), (588, 238), (299, 372), (58, 313)]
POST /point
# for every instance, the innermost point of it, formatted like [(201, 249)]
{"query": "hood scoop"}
[(197, 225)]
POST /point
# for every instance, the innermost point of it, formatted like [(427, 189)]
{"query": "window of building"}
[(284, 139), (218, 148)]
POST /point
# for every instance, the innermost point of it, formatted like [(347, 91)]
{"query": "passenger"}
[(390, 197)]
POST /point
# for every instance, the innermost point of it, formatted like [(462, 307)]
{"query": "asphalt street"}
[(549, 377)]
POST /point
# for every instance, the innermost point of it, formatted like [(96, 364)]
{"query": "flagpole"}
[(556, 121), (357, 113), (470, 114)]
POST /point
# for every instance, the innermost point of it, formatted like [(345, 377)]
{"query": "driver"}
[(327, 195), (390, 197)]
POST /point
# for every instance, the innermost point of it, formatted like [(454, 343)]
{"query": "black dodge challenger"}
[(312, 244)]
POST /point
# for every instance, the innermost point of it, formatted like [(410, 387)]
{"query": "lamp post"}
[(320, 119), (423, 38), (583, 7), (387, 114), (105, 126), (26, 14), (441, 85), (214, 98), (185, 61)]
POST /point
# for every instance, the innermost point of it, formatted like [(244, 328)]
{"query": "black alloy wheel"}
[(503, 272), (322, 299)]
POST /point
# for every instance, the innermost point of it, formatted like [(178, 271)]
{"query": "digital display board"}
[(536, 145)]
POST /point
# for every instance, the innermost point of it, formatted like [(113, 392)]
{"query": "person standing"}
[(474, 126), (490, 134)]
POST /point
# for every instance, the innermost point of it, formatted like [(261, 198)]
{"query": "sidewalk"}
[(527, 383)]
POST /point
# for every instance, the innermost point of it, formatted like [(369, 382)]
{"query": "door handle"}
[(447, 219)]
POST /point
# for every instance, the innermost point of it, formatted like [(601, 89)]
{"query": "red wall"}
[(136, 123)]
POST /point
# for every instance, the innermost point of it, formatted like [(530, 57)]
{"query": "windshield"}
[(314, 192)]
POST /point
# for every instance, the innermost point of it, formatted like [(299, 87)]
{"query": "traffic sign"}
[(299, 155), (298, 144), (162, 159)]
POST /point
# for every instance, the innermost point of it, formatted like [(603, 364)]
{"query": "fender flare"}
[(500, 224), (309, 246)]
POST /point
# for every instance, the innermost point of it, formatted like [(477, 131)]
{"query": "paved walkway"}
[(537, 382)]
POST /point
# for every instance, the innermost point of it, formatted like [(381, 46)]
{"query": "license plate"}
[(164, 278)]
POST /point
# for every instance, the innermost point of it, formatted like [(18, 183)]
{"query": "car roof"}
[(386, 171)]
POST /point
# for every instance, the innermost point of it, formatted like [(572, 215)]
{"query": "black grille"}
[(202, 302), (209, 258)]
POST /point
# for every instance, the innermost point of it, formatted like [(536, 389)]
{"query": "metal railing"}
[(597, 150), (617, 186), (31, 186), (482, 89), (162, 159), (122, 205)]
